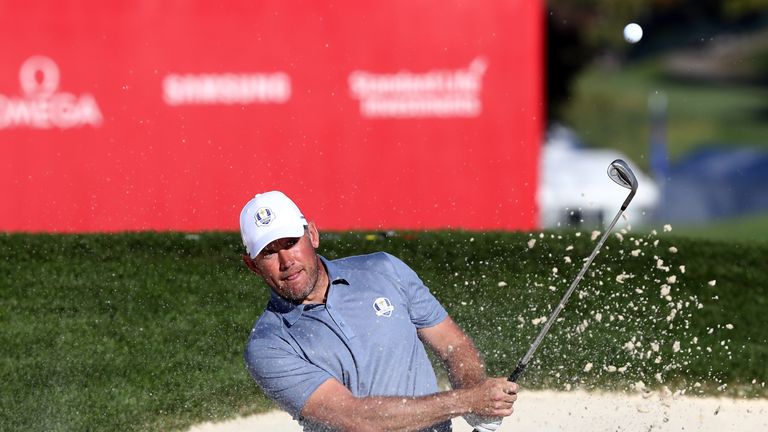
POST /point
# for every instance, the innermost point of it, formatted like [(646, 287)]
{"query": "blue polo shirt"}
[(364, 336)]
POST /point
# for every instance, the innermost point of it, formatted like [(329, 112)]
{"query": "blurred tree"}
[(579, 31)]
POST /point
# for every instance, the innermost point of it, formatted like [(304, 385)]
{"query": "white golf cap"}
[(267, 217)]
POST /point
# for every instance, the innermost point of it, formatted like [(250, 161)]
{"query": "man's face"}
[(290, 266)]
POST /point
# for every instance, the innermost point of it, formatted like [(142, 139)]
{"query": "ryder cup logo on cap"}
[(267, 217), (383, 307), (263, 216)]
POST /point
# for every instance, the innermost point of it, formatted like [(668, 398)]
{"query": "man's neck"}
[(320, 292)]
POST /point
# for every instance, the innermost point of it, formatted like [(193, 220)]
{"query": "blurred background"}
[(687, 104), (169, 116)]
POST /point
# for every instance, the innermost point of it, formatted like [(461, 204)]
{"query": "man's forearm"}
[(464, 364), (457, 352), (406, 413), (333, 405)]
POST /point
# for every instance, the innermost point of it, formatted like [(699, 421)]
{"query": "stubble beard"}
[(313, 274)]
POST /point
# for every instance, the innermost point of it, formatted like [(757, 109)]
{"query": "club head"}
[(622, 175)]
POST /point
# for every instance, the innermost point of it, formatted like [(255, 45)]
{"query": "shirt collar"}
[(336, 274), (291, 312)]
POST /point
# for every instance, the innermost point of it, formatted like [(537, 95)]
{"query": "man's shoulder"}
[(381, 263), (267, 329), (361, 261)]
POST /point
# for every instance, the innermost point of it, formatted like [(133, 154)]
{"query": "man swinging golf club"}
[(340, 345)]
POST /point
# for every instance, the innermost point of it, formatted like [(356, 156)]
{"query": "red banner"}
[(170, 115)]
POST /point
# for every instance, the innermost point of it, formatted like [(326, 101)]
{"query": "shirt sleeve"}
[(424, 309), (282, 374)]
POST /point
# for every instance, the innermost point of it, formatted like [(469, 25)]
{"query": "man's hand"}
[(493, 397), (483, 424), (491, 400)]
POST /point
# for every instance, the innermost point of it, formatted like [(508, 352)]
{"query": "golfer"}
[(340, 345)]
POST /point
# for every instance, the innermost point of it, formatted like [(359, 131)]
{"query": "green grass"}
[(609, 108), (131, 332), (743, 229), (137, 332)]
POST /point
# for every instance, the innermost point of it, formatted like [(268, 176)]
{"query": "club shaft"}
[(527, 357), (625, 179), (520, 369)]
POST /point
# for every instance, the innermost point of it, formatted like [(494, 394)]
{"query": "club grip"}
[(517, 373)]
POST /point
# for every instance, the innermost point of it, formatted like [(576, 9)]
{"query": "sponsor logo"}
[(437, 93), (42, 105), (264, 216), (383, 307), (227, 89)]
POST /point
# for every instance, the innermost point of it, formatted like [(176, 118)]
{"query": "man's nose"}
[(285, 258)]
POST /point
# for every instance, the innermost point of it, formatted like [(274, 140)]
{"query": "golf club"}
[(620, 173)]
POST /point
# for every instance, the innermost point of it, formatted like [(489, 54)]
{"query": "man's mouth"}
[(292, 277)]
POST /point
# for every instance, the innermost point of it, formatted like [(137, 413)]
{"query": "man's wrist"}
[(468, 381), (460, 401)]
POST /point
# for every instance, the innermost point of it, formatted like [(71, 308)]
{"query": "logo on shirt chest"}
[(383, 307)]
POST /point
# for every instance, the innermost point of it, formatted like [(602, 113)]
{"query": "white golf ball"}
[(633, 33)]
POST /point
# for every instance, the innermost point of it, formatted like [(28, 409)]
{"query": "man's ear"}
[(251, 264), (314, 235)]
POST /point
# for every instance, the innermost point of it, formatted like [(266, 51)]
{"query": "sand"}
[(580, 411)]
